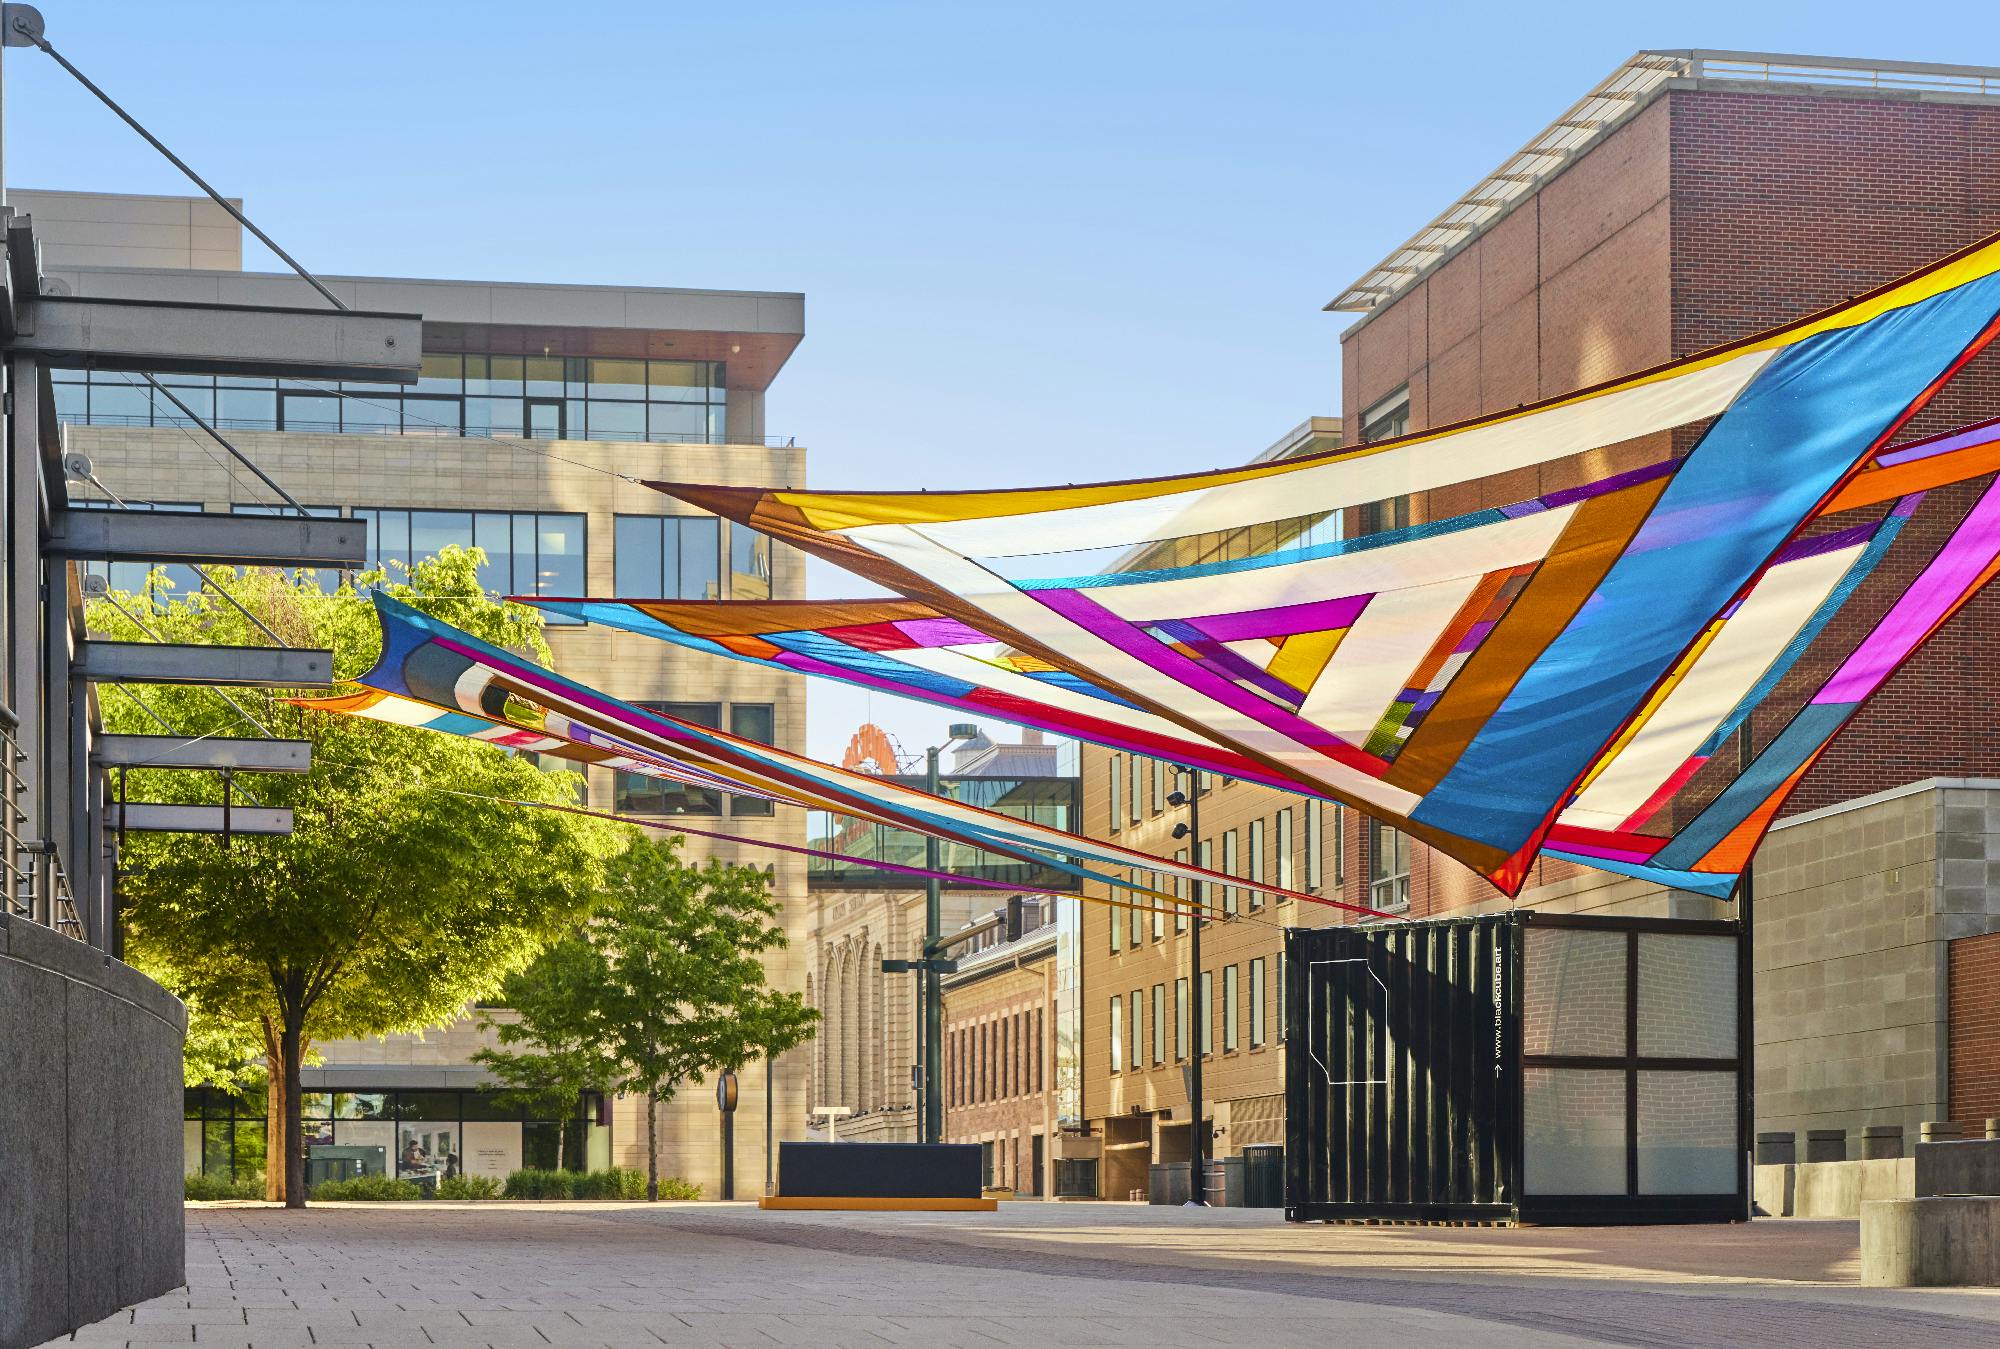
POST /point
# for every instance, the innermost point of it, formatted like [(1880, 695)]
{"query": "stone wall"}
[(90, 1135)]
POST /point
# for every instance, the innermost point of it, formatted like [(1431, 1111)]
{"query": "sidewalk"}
[(1031, 1274)]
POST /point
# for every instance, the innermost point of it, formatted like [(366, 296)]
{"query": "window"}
[(1229, 865), (1257, 1003), (1282, 837), (1135, 916), (1388, 867), (1133, 805), (1117, 813), (1180, 1019), (480, 395), (1183, 889), (1160, 909), (1116, 923), (637, 794), (1207, 1013), (1256, 860), (527, 552), (1387, 418), (1138, 1039), (1314, 828), (749, 564), (666, 556), (1205, 859), (1229, 1009), (1281, 995), (1159, 1024), (1159, 786), (758, 722)]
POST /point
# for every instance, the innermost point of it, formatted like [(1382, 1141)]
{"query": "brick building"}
[(1691, 198)]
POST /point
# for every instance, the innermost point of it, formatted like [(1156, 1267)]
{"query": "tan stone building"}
[(539, 409)]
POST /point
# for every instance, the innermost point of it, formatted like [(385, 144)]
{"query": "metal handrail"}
[(332, 428)]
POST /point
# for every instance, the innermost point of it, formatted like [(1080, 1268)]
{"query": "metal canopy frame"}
[(203, 537)]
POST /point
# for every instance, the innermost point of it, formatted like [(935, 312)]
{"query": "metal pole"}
[(1197, 1149), (1746, 1005), (917, 1074), (769, 1153), (933, 1131)]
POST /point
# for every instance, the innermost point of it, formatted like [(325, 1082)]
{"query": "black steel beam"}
[(225, 339), (203, 537), (172, 663), (155, 817), (175, 751)]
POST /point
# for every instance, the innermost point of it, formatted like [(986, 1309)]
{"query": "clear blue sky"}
[(1038, 242)]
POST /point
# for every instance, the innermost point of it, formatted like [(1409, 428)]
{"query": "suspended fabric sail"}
[(1459, 682), (472, 688)]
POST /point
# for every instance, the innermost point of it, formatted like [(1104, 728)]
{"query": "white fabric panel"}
[(959, 663), (1119, 671), (1414, 563), (1781, 603), (1519, 442), (1380, 653)]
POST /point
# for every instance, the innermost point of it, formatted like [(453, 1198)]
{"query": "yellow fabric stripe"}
[(1303, 656), (839, 511)]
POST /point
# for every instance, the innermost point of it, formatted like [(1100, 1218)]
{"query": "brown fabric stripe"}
[(1596, 537)]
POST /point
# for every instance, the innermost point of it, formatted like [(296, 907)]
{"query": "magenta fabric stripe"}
[(1100, 622), (929, 632), (1956, 569), (1284, 620)]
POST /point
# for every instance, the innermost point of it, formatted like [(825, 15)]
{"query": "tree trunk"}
[(652, 1147), (292, 1043), (274, 1115), (562, 1137)]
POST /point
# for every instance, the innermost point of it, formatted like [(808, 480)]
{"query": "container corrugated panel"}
[(1516, 1067), (1403, 1094)]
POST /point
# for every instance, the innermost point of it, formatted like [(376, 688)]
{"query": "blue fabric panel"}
[(1814, 725), (1764, 464), (1701, 882), (878, 665)]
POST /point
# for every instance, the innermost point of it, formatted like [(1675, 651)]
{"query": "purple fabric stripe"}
[(931, 632), (1284, 620), (1817, 544), (1955, 570), (1611, 484), (1984, 433), (1100, 622), (1240, 667)]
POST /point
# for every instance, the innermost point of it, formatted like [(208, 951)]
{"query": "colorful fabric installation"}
[(432, 675), (1479, 681)]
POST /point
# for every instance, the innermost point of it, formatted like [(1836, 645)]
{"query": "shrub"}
[(620, 1182), (366, 1189), (200, 1187), (468, 1187), (671, 1187), (533, 1183)]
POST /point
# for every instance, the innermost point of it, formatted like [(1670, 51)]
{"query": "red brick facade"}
[(1710, 215), (1974, 1031)]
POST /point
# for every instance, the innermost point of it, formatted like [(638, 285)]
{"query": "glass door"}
[(545, 419)]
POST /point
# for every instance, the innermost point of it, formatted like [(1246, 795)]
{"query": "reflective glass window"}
[(433, 416), (750, 571), (638, 560), (674, 422), (380, 414), (758, 722), (1573, 1130), (121, 404), (1687, 1132), (309, 412), (246, 409), (636, 794), (700, 561), (617, 379), (544, 375), (493, 417), (441, 372), (611, 421), (1573, 992), (559, 556)]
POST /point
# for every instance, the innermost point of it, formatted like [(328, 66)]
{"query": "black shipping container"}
[(1516, 1067)]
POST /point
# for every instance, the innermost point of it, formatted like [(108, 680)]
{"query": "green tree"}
[(403, 893), (685, 991), (557, 1006)]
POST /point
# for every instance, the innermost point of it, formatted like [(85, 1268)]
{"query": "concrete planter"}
[(1941, 1241)]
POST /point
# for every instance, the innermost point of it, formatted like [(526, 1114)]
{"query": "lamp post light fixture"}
[(1190, 829)]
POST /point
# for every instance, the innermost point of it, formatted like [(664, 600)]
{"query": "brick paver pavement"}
[(1032, 1274)]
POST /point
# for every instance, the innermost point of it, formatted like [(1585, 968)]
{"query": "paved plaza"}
[(1031, 1274)]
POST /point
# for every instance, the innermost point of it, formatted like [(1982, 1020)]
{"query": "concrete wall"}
[(116, 229), (90, 1135), (1855, 907)]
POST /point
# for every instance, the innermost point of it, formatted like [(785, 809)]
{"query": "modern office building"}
[(539, 409), (861, 913), (1689, 199)]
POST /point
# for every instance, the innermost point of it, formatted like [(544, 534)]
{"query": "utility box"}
[(1517, 1067), (1263, 1175)]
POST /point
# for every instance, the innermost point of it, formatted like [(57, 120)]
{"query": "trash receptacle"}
[(1169, 1183), (1264, 1175), (1225, 1182)]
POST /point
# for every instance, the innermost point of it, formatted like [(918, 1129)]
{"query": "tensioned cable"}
[(30, 33)]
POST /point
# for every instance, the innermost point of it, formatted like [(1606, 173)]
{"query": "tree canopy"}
[(407, 888)]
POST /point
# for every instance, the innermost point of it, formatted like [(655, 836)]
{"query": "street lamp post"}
[(1197, 1146), (933, 989)]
